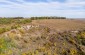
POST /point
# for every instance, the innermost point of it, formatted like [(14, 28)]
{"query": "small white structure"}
[(29, 26), (74, 31)]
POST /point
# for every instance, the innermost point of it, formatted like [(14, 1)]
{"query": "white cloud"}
[(75, 0), (70, 8)]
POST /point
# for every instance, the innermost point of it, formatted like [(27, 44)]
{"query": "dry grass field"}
[(62, 24)]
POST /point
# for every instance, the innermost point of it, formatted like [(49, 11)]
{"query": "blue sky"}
[(28, 8)]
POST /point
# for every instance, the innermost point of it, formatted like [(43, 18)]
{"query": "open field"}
[(62, 24), (42, 37)]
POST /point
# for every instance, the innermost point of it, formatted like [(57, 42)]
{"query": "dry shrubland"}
[(44, 37)]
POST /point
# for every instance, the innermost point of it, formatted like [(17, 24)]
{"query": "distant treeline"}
[(35, 18)]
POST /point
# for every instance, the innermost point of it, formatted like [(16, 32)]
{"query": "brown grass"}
[(61, 24)]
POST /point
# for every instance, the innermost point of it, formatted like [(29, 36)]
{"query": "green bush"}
[(2, 30), (5, 44), (5, 29), (5, 21), (15, 26), (23, 21)]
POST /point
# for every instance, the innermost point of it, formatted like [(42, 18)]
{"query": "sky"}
[(29, 8)]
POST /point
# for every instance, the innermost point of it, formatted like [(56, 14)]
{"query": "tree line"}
[(35, 18)]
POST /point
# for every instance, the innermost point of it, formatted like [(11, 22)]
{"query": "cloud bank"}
[(28, 8)]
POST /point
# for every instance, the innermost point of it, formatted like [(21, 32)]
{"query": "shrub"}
[(73, 51), (2, 30), (15, 26), (36, 52), (23, 21), (83, 42), (80, 38), (5, 21), (5, 45), (22, 31), (7, 28), (47, 29)]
